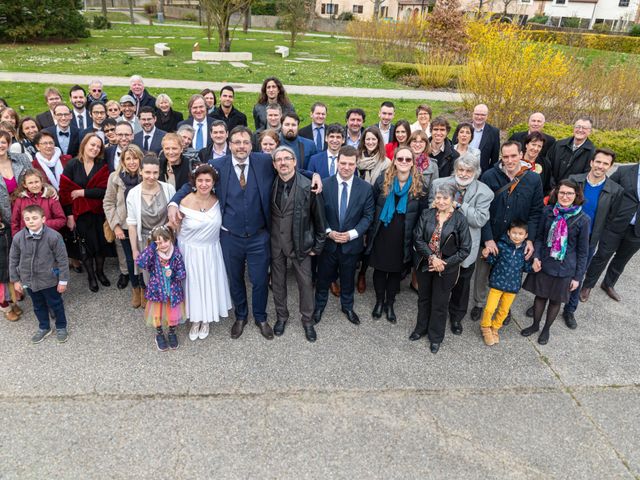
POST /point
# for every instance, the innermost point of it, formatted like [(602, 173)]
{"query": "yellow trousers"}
[(498, 302)]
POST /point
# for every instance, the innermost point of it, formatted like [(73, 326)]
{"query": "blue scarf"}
[(390, 203)]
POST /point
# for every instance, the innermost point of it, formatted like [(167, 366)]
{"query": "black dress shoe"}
[(351, 316), (391, 315), (377, 310), (317, 316), (456, 328), (310, 333), (265, 330), (103, 280), (434, 347), (278, 328), (570, 320), (529, 312), (415, 336), (237, 328), (476, 313), (93, 284), (543, 339), (611, 292), (527, 332), (123, 281), (507, 320)]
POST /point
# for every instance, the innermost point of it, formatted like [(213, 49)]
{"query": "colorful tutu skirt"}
[(158, 314)]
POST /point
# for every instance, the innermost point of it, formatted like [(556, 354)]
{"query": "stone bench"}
[(282, 50), (222, 56), (161, 49)]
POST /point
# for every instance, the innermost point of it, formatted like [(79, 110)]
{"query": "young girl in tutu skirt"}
[(164, 292)]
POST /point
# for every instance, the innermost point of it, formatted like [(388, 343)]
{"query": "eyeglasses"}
[(113, 109), (109, 130), (566, 194), (404, 159), (96, 90), (284, 159), (46, 144), (63, 114), (581, 127)]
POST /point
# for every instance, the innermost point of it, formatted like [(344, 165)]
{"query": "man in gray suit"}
[(297, 234), (473, 199)]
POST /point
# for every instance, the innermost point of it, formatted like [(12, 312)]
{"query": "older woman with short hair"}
[(442, 241), (167, 118), (175, 167)]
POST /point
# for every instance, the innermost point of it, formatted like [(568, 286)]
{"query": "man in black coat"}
[(140, 94), (441, 150), (536, 124), (572, 155), (227, 112), (621, 236), (53, 97), (486, 137)]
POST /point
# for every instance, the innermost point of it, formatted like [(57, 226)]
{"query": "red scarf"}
[(83, 204)]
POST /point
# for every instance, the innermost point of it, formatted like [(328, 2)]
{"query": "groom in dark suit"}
[(349, 211)]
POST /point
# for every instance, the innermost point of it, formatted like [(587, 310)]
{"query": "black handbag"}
[(450, 245)]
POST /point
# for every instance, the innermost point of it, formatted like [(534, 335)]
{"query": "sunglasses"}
[(96, 90), (109, 130), (404, 159)]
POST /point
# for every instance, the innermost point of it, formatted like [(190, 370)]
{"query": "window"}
[(357, 9), (525, 1), (561, 2), (623, 3), (384, 12), (329, 9)]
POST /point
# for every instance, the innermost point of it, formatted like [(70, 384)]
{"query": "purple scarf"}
[(559, 231)]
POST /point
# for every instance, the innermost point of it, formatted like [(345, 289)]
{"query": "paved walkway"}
[(54, 78)]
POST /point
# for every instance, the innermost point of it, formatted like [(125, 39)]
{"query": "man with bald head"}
[(536, 124), (486, 137)]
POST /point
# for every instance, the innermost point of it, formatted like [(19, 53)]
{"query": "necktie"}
[(81, 122), (319, 139), (243, 180), (64, 134), (343, 204), (199, 145), (332, 167), (145, 145), (285, 196)]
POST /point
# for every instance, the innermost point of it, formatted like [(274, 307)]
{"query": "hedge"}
[(626, 143), (614, 43), (41, 20), (395, 70)]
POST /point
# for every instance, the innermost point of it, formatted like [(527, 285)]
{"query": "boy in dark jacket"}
[(38, 263), (505, 279)]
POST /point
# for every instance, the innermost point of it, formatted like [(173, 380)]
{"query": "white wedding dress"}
[(206, 286)]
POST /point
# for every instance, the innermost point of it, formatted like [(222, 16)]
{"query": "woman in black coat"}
[(167, 119), (561, 251), (400, 197), (442, 241)]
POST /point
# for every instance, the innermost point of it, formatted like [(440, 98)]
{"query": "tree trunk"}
[(247, 19), (104, 8), (133, 20), (224, 39)]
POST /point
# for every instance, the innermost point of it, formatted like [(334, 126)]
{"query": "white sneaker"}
[(204, 331), (195, 330)]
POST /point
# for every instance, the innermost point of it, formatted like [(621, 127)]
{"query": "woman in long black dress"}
[(400, 198), (82, 187)]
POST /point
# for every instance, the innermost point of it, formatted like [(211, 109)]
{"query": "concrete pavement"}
[(54, 78), (362, 402)]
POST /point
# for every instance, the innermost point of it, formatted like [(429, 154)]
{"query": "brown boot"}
[(143, 300), (496, 337), (487, 335), (16, 309), (362, 283), (136, 293), (335, 288), (9, 314)]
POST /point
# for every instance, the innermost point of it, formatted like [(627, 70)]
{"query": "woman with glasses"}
[(400, 197), (113, 110), (109, 130), (560, 255)]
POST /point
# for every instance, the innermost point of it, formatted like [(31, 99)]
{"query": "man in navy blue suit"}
[(349, 210), (150, 138), (65, 134), (124, 133), (244, 192), (325, 163)]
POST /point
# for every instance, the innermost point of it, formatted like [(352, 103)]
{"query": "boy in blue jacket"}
[(505, 279)]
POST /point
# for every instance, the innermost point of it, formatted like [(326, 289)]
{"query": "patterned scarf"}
[(422, 162), (559, 231), (390, 203)]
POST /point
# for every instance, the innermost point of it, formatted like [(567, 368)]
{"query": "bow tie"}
[(34, 236), (64, 134)]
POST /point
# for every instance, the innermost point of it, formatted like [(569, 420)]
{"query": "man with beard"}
[(78, 99), (303, 147), (473, 198), (98, 114)]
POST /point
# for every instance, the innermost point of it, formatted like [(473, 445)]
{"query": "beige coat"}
[(114, 204)]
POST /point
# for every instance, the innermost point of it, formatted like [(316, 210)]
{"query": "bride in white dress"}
[(206, 286)]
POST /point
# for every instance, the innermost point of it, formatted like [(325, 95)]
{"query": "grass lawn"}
[(106, 53), (588, 55), (112, 16), (30, 96)]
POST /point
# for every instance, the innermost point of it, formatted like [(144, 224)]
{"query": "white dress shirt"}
[(353, 234)]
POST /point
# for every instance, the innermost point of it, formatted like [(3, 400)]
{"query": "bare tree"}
[(218, 14), (104, 8), (133, 20), (295, 16)]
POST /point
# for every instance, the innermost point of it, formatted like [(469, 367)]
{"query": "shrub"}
[(601, 28), (446, 28), (378, 42), (190, 17), (634, 31), (571, 22), (346, 16), (626, 142), (404, 71), (395, 70), (438, 69), (512, 74), (150, 8), (101, 23), (541, 19), (614, 43), (263, 7), (28, 20)]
